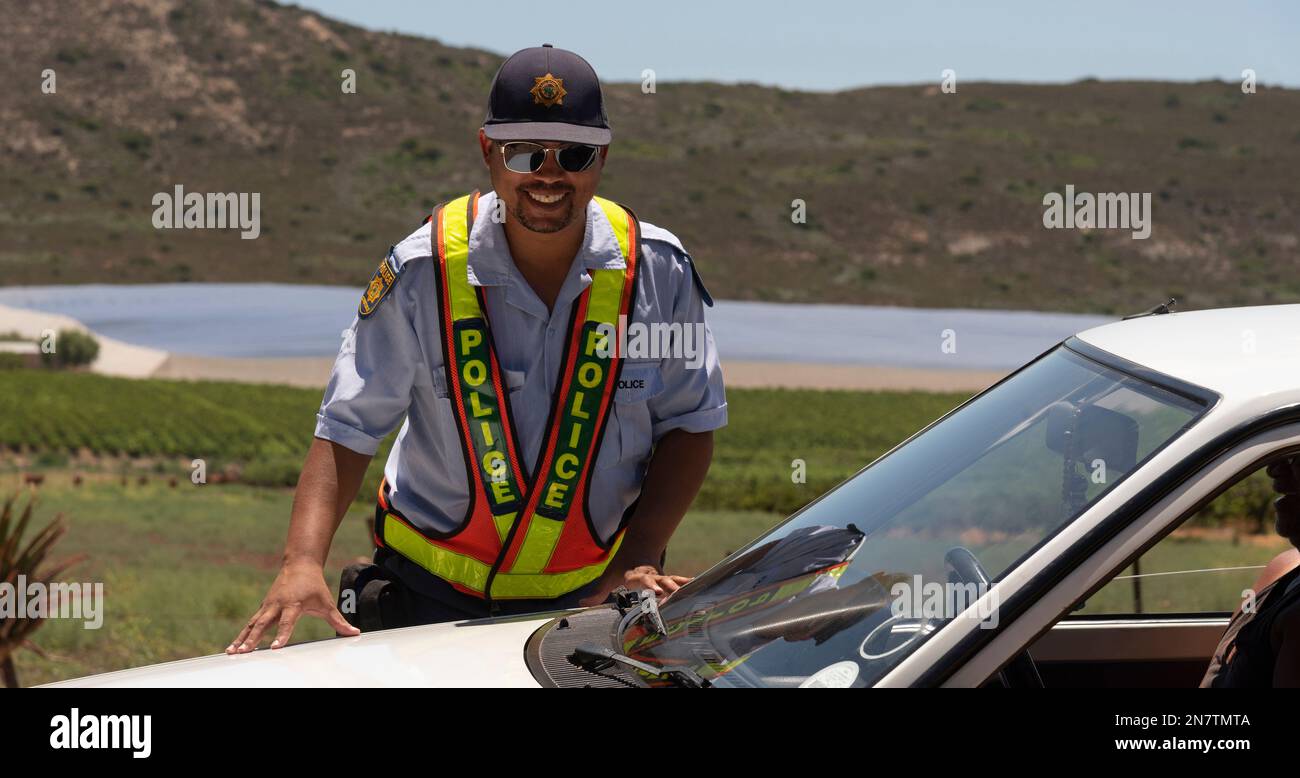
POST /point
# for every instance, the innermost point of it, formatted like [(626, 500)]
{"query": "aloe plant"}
[(32, 560)]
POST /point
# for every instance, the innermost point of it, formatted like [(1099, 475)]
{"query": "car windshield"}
[(849, 586)]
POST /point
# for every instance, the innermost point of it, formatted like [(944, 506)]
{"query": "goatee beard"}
[(542, 228), (549, 227)]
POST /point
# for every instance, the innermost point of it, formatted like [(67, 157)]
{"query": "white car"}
[(956, 559)]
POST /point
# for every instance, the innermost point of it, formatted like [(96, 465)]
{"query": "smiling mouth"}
[(545, 199)]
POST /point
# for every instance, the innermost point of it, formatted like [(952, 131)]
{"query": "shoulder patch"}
[(380, 285), (652, 232)]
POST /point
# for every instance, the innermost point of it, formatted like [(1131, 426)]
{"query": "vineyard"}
[(266, 430), (48, 410)]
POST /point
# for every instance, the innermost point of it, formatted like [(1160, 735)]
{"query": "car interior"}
[(1157, 623)]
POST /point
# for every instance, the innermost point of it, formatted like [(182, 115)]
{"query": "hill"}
[(914, 197)]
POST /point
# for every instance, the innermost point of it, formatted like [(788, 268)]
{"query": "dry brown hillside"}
[(914, 197)]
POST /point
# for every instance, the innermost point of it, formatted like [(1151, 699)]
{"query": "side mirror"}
[(1098, 433)]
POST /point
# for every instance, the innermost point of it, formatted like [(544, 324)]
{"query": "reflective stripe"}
[(607, 285), (475, 378), (445, 563), (516, 586), (455, 237), (472, 574), (504, 522), (543, 534), (606, 297), (618, 219)]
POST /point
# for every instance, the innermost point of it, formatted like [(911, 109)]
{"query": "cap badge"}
[(548, 90)]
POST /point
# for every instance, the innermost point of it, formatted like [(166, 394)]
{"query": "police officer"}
[(544, 461)]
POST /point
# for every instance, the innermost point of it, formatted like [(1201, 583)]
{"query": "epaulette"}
[(652, 232)]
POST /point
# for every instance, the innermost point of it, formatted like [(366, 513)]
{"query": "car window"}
[(847, 588), (1203, 566)]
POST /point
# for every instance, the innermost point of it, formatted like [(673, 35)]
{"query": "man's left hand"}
[(636, 579)]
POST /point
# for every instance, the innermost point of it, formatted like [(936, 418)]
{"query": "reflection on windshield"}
[(997, 477)]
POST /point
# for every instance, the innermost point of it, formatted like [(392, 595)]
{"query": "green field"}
[(1189, 592), (183, 568), (264, 431), (184, 564)]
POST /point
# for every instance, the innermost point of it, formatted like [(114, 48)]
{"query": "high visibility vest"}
[(526, 534)]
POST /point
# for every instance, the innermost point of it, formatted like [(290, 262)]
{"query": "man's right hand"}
[(299, 589)]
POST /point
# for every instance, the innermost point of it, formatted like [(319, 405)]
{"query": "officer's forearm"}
[(673, 478), (331, 477)]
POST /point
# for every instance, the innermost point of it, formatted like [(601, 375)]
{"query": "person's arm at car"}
[(368, 394), (684, 415), (673, 477), (330, 479)]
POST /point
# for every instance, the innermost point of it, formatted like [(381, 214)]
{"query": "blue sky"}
[(838, 44)]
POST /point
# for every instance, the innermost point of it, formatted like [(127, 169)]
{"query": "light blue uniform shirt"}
[(391, 365)]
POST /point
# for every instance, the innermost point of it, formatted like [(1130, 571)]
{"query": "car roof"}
[(1243, 354)]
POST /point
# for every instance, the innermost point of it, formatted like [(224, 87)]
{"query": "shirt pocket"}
[(514, 380), (633, 439)]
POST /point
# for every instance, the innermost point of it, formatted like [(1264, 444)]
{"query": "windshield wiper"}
[(595, 658), (634, 607)]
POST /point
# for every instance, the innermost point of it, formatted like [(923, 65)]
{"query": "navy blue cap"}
[(545, 93)]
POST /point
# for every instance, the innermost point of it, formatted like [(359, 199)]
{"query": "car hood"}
[(483, 652)]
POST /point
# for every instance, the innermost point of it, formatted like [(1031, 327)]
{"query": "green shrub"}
[(272, 472), (72, 348), (1246, 507)]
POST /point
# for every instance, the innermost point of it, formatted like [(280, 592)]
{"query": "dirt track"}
[(314, 371)]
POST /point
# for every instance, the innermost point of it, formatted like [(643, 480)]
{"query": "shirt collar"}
[(490, 263)]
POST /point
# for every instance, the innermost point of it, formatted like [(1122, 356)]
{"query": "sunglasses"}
[(523, 156)]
